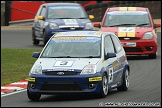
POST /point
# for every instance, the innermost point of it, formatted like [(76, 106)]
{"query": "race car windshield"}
[(73, 48), (127, 18), (64, 12)]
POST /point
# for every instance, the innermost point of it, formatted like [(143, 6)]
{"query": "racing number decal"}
[(110, 74)]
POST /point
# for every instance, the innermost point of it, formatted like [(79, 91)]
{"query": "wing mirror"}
[(91, 17), (97, 25), (40, 17), (35, 54)]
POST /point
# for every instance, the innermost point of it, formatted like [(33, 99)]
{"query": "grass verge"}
[(16, 64)]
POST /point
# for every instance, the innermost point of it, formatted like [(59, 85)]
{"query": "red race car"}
[(134, 27)]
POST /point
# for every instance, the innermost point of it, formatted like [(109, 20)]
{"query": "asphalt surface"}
[(144, 89)]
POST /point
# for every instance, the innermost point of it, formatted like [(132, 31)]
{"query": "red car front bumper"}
[(139, 47)]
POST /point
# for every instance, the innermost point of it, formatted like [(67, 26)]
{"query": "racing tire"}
[(44, 38), (152, 56), (125, 84), (33, 96), (35, 41), (104, 91)]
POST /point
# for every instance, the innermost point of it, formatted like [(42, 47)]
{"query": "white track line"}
[(12, 88), (20, 83)]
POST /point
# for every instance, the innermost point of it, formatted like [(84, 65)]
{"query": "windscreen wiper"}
[(121, 25), (81, 18), (91, 57), (142, 24)]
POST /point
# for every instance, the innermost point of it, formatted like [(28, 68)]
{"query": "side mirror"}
[(91, 17), (110, 55), (40, 17), (97, 25), (157, 25), (35, 54)]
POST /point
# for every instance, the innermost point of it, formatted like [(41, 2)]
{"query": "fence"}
[(14, 13)]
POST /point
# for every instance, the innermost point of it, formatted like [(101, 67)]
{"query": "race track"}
[(145, 80)]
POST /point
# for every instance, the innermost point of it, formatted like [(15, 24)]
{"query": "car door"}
[(120, 56), (110, 62), (39, 23)]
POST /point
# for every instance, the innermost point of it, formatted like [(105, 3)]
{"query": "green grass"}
[(16, 64)]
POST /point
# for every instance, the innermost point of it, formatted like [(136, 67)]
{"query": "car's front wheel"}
[(125, 84), (104, 90), (35, 41), (33, 96), (44, 38)]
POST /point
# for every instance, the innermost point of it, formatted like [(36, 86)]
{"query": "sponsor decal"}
[(95, 79), (69, 38), (31, 79), (63, 63), (131, 44), (125, 12), (126, 32), (70, 22)]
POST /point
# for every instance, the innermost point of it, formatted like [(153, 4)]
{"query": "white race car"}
[(79, 62)]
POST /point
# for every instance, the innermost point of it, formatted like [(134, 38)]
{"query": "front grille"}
[(130, 38), (63, 73), (60, 86), (131, 49), (69, 28)]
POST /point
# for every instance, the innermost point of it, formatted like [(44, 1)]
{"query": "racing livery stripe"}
[(121, 34), (127, 8), (131, 34), (126, 31), (122, 8), (132, 8)]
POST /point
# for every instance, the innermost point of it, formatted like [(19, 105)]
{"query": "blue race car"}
[(79, 62), (59, 17)]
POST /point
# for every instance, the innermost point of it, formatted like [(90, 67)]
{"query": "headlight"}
[(89, 69), (148, 35), (37, 69), (53, 26), (89, 26)]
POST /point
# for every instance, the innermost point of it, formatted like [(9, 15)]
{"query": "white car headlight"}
[(89, 26), (53, 26), (89, 69), (37, 69), (148, 35)]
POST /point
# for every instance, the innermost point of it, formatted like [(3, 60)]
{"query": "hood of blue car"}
[(70, 22), (65, 63)]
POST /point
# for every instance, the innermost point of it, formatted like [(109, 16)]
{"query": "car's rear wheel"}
[(125, 84), (104, 91), (35, 41), (33, 96), (153, 56), (44, 38)]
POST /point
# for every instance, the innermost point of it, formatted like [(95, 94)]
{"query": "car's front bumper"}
[(140, 47), (65, 84)]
